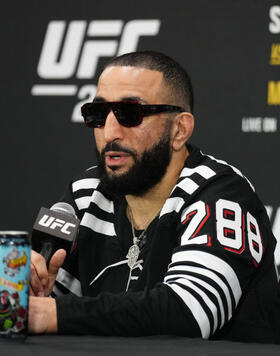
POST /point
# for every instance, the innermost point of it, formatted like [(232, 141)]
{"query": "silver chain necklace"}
[(134, 250)]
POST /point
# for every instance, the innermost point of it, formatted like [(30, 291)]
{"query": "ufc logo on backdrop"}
[(54, 223), (73, 51)]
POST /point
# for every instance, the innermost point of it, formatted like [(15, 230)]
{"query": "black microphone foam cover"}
[(55, 228)]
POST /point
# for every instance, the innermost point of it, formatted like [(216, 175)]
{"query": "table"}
[(57, 345)]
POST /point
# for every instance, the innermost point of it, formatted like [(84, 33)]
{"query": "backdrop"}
[(53, 51)]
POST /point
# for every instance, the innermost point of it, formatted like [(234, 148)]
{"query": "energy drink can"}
[(14, 284)]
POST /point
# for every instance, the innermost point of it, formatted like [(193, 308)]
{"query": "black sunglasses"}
[(128, 113)]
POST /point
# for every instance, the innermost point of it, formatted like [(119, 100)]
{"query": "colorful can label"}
[(14, 283)]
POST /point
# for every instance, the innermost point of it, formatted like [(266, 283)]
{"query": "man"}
[(171, 241)]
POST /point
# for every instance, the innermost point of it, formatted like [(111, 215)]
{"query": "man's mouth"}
[(116, 158)]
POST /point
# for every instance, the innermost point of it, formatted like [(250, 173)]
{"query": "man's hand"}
[(42, 315), (41, 278)]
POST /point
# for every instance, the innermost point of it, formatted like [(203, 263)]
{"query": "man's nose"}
[(112, 129)]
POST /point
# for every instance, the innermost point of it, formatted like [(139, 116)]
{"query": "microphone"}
[(55, 228)]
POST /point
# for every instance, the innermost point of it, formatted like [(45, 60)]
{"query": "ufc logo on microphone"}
[(56, 224)]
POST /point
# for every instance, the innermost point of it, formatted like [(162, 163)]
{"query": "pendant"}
[(132, 255)]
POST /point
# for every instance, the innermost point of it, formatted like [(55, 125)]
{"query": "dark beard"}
[(146, 172)]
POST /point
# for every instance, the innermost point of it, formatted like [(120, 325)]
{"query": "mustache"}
[(115, 146)]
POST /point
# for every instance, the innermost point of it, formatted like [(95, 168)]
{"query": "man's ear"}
[(182, 130)]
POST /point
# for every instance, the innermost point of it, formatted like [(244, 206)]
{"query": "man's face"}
[(132, 159)]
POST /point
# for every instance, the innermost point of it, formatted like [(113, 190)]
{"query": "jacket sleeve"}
[(150, 312)]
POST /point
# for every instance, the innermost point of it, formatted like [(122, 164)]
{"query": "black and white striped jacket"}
[(206, 270)]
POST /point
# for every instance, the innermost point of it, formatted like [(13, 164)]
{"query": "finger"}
[(31, 292), (56, 262), (39, 263), (35, 283)]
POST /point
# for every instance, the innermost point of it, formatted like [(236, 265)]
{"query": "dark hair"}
[(175, 76)]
